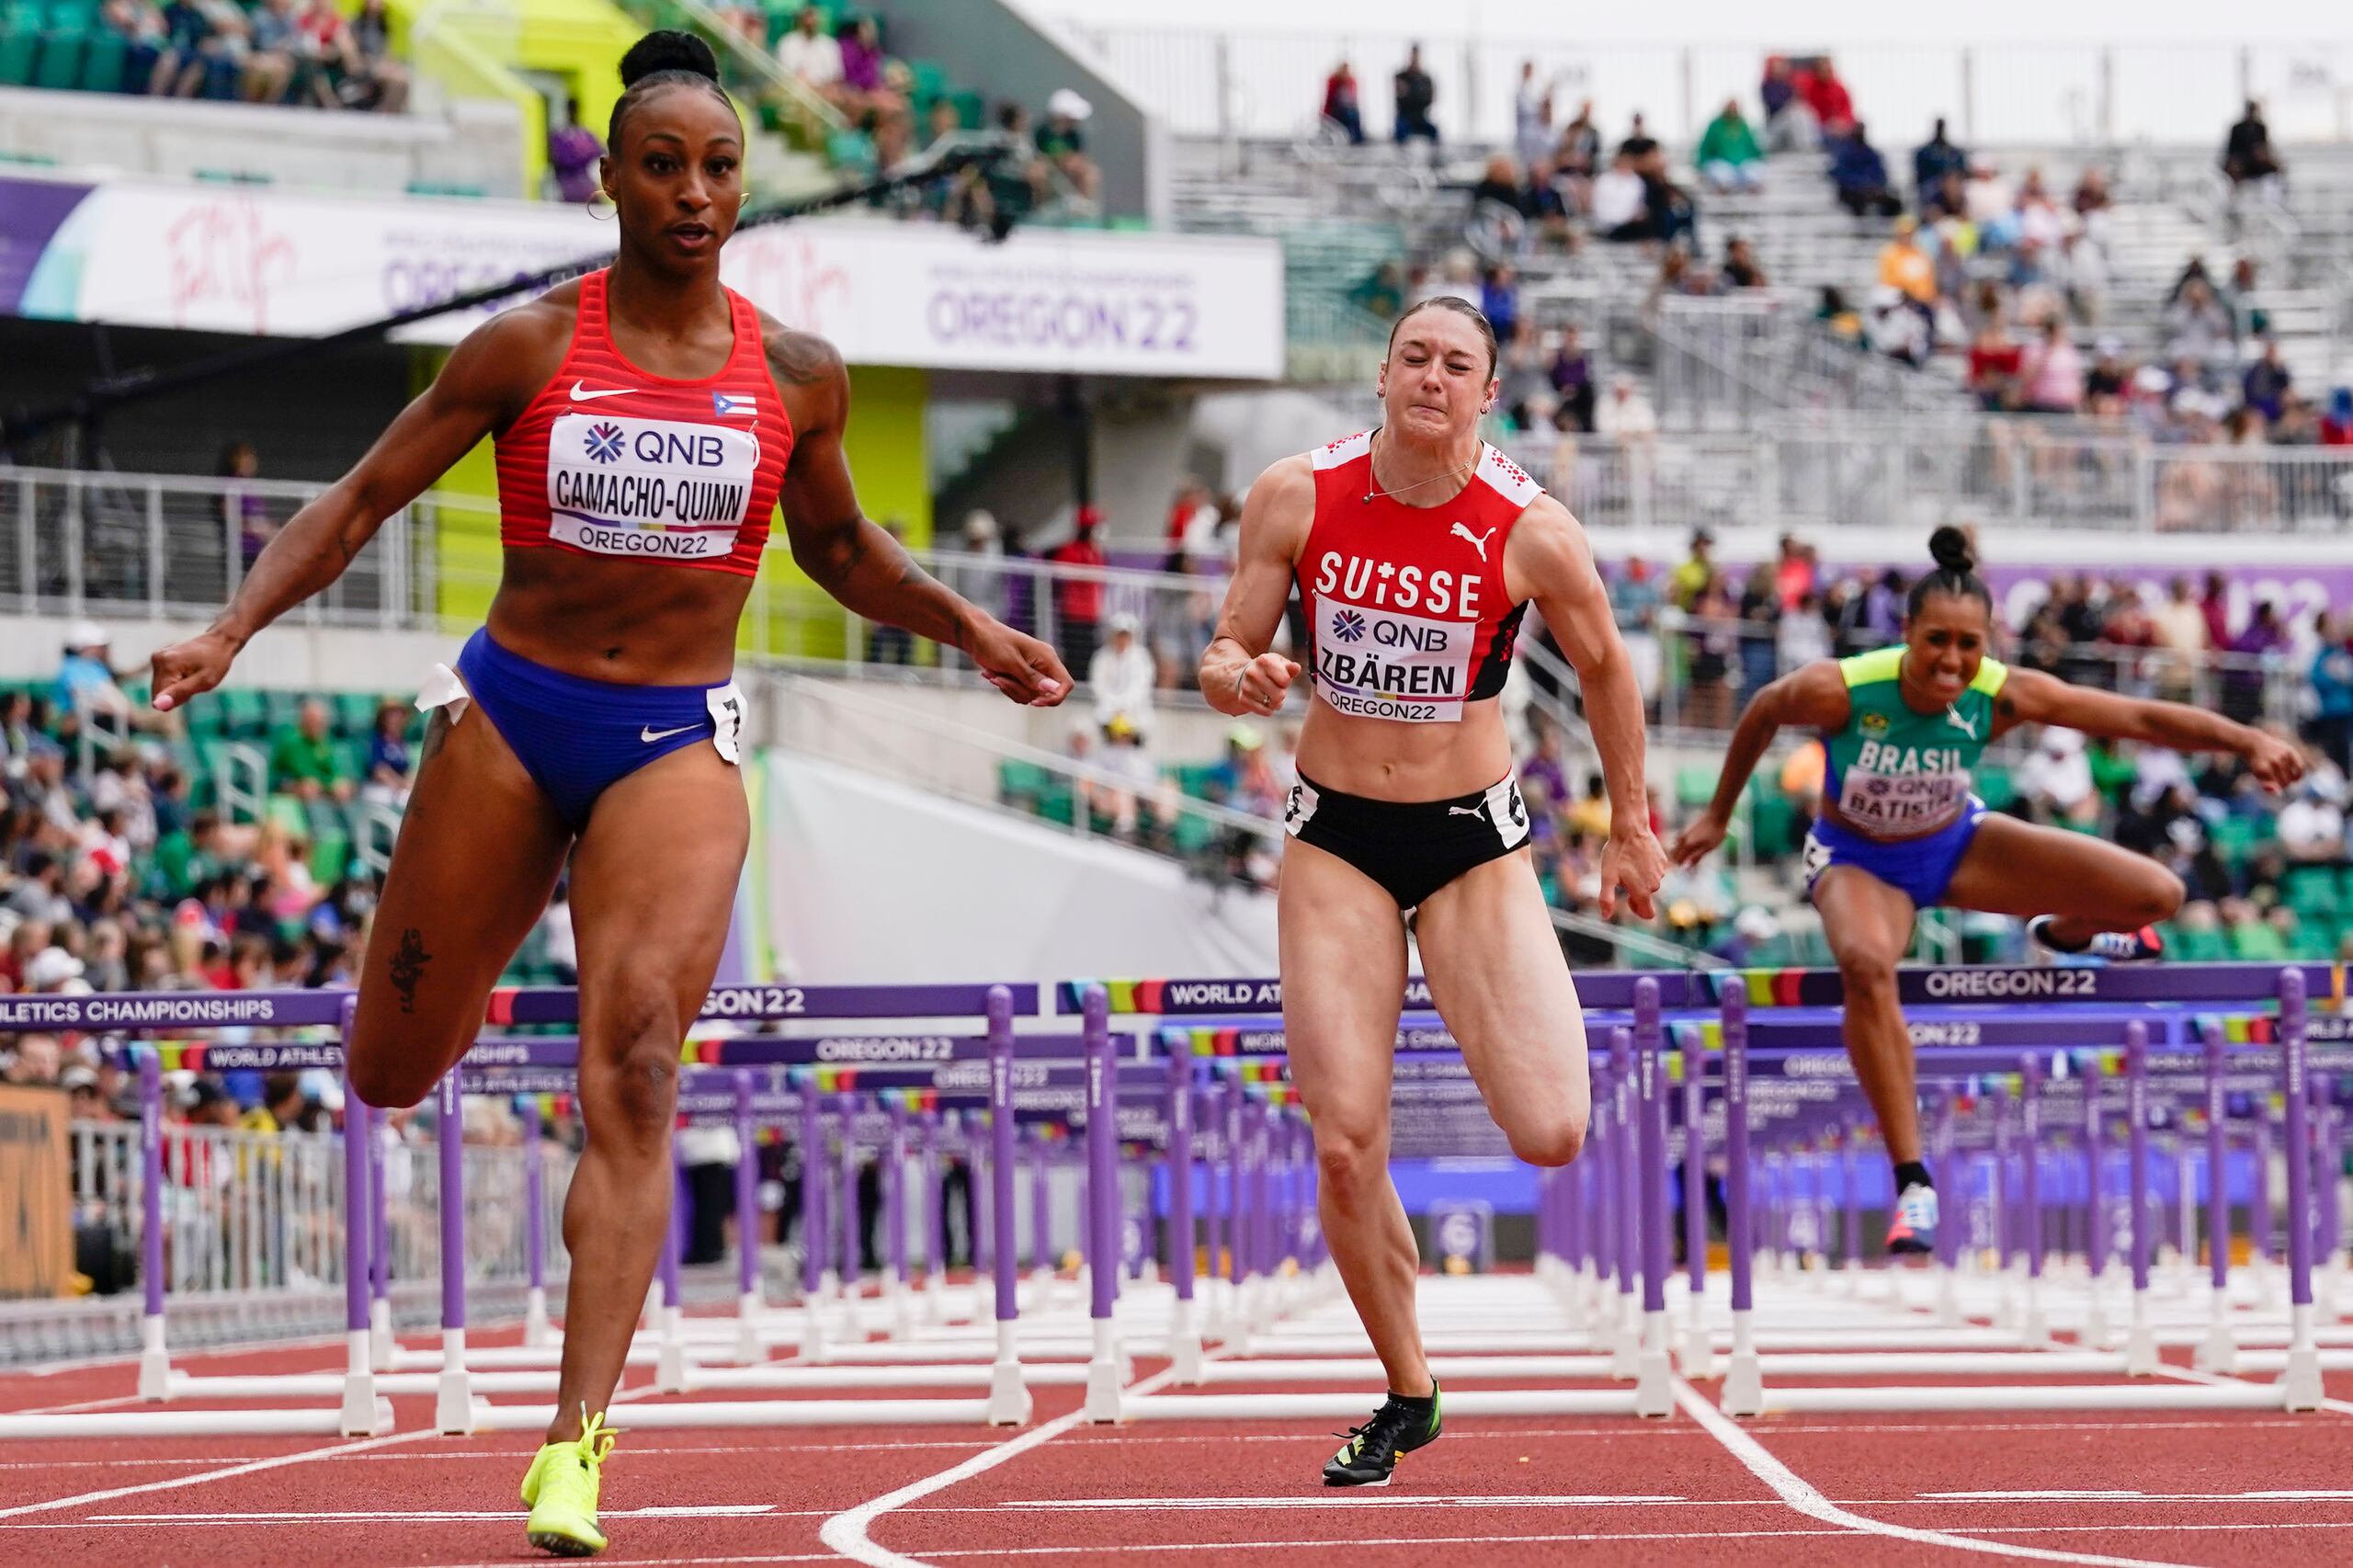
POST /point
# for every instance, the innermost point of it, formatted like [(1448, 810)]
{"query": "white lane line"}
[(846, 1531), (379, 1515), (1794, 1490), (1330, 1500), (227, 1473)]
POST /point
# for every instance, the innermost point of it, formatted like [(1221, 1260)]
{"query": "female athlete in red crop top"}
[(1415, 548), (648, 422)]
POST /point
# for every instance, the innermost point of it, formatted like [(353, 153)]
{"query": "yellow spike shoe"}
[(561, 1490)]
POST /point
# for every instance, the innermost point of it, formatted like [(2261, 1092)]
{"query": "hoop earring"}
[(611, 209)]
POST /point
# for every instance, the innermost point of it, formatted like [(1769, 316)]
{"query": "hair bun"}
[(1950, 548), (667, 49)]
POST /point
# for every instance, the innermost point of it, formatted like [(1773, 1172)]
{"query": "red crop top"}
[(608, 459)]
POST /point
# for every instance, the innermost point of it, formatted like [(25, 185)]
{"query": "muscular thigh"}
[(653, 890), (479, 851), (1496, 971), (1867, 922), (1344, 982), (2017, 868)]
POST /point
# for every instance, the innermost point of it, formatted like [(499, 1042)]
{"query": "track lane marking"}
[(1800, 1494)]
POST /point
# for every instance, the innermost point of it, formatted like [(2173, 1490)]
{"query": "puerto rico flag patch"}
[(726, 407)]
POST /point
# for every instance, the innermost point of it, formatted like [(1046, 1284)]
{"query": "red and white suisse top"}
[(607, 460), (1407, 615)]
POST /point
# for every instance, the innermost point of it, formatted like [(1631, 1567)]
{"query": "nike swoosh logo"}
[(649, 735), (580, 392)]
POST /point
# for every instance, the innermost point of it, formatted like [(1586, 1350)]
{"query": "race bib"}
[(1381, 664), (1901, 804), (663, 489)]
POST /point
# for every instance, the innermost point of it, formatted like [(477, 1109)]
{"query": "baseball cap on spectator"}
[(1068, 105), (87, 634), (78, 1077), (52, 968), (1124, 621)]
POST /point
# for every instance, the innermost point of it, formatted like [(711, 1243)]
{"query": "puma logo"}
[(1478, 811), (1966, 726), (1478, 541)]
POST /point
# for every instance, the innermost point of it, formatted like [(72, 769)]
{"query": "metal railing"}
[(1743, 360), (250, 1214)]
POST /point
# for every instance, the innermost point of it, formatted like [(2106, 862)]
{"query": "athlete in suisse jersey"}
[(1415, 548), (1901, 831), (648, 422)]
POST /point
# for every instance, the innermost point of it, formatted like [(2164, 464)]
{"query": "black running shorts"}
[(1411, 847)]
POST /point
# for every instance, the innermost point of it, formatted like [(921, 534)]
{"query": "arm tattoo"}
[(407, 966), (802, 358)]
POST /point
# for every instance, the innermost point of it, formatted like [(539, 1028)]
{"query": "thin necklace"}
[(1372, 479)]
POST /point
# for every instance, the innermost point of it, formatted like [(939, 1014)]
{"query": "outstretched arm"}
[(1238, 675), (482, 386), (1814, 697), (1549, 558), (2029, 697), (856, 560)]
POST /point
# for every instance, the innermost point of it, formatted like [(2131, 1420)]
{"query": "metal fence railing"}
[(251, 1214)]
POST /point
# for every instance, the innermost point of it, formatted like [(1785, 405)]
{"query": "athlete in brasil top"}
[(1900, 830), (648, 423), (1415, 548)]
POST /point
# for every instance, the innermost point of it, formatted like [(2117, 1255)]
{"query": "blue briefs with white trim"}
[(1922, 868), (578, 737)]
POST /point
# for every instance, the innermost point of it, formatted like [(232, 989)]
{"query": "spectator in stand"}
[(1760, 617), (208, 42), (1671, 208), (147, 62), (2263, 641), (1621, 208), (1531, 115), (1578, 156), (389, 760), (2247, 154), (1947, 202), (1123, 676), (302, 760), (1571, 374), (866, 86), (1741, 269), (1341, 107), (1789, 125), (1499, 301), (1803, 635), (2051, 375), (1994, 362), (2331, 727), (1712, 634), (1860, 175), (86, 680), (2337, 425), (1498, 186), (1834, 109), (2091, 192), (2180, 631), (2264, 385), (1729, 158), (1548, 204), (2197, 326), (1634, 600), (37, 1061), (1627, 417), (1415, 96), (373, 78), (573, 152), (812, 54), (1686, 582), (1642, 147), (276, 39), (1933, 161), (1078, 599), (1904, 266), (239, 507), (1062, 144)]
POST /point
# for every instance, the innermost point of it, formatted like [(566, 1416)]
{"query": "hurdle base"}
[(1008, 1401), (361, 1409), (1626, 1352), (382, 1350), (1184, 1343), (1103, 1379), (749, 1345), (2218, 1352), (537, 1333), (1699, 1358), (2140, 1357), (670, 1370), (2097, 1332), (1743, 1389), (1654, 1380), (453, 1401), (154, 1362), (2300, 1383)]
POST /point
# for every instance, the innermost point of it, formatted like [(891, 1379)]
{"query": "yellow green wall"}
[(481, 54), (788, 614)]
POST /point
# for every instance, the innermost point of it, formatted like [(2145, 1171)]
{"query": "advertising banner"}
[(289, 264)]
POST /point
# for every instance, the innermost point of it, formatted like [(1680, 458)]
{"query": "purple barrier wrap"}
[(2297, 1113), (1653, 1152), (2136, 1124), (1103, 1205), (1001, 1223), (747, 1186), (452, 1141), (1180, 1175)]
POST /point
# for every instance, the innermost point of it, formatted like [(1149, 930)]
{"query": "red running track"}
[(2222, 1488)]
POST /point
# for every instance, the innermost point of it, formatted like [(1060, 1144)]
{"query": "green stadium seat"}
[(2258, 941), (61, 62), (1191, 833), (2206, 945), (102, 62), (1022, 784), (351, 759), (354, 712), (1058, 804), (1695, 784), (1995, 787), (74, 18), (971, 110), (283, 707), (204, 719), (930, 78), (1774, 816), (286, 812), (2235, 838), (2310, 890), (851, 151), (244, 712)]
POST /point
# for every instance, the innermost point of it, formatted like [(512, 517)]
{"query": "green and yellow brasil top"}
[(1898, 773)]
